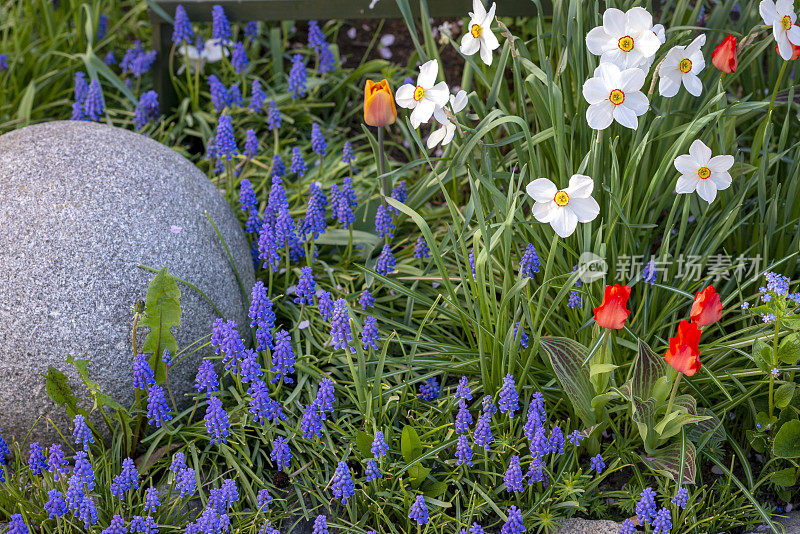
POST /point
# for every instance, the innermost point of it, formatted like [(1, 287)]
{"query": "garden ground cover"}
[(485, 304)]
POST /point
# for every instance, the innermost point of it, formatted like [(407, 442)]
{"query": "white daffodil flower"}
[(213, 51), (425, 96), (682, 65), (479, 35), (702, 173), (563, 209), (613, 94), (625, 39), (447, 131), (661, 34), (781, 16)]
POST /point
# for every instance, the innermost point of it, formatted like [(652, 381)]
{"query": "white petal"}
[(696, 44), (585, 209), (599, 116), (638, 18), (722, 180), (700, 152), (580, 186), (422, 113), (594, 90), (439, 115), (721, 163), (459, 101), (486, 53), (637, 102), (541, 190), (545, 211), (436, 137), (614, 22), (478, 11), (692, 84), (626, 117), (707, 190), (598, 40), (451, 131), (767, 11), (698, 62), (438, 94), (784, 7), (685, 164), (669, 83), (487, 20), (784, 46), (610, 74), (687, 183), (631, 80), (793, 34), (489, 38), (469, 45), (405, 96), (564, 221), (427, 74), (647, 43), (660, 32)]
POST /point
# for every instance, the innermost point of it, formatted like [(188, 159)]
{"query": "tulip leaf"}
[(667, 461), (647, 369), (567, 357)]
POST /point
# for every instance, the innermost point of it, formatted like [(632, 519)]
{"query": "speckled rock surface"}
[(81, 204), (585, 526)]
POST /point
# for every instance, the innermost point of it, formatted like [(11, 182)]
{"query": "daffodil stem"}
[(777, 85), (674, 392), (382, 165)]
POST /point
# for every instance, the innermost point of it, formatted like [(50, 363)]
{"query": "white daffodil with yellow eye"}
[(447, 131), (625, 39), (682, 65), (703, 173), (425, 95), (479, 34), (781, 16), (612, 95), (564, 208)]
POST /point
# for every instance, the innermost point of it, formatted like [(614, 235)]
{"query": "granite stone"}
[(81, 205)]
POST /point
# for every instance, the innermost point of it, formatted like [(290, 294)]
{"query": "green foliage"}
[(162, 313)]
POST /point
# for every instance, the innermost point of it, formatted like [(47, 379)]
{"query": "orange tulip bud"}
[(684, 350), (379, 107), (724, 56), (613, 311), (707, 308)]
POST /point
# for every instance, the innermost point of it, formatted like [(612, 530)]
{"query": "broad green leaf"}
[(643, 414), (417, 474), (162, 312), (601, 368), (787, 440), (567, 357), (410, 445), (100, 398), (789, 349), (647, 369), (711, 425), (434, 490), (784, 394), (762, 355), (667, 461), (58, 389), (600, 364), (784, 477), (364, 444), (674, 426), (26, 103)]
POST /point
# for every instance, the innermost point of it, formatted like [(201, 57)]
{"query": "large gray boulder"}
[(81, 204)]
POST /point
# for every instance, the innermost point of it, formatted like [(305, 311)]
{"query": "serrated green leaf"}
[(567, 357), (100, 398), (162, 312), (58, 389), (787, 440)]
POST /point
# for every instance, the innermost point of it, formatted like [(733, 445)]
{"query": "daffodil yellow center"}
[(476, 30), (625, 43), (685, 65), (617, 97), (561, 198), (419, 92), (786, 22), (703, 172)]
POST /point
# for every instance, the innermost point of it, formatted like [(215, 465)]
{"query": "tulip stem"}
[(674, 392), (382, 165)]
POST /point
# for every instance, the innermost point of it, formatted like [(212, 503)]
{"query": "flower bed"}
[(560, 289)]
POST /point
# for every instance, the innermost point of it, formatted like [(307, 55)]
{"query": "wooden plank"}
[(266, 10)]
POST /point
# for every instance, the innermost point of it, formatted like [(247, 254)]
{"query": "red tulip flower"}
[(613, 311), (707, 308), (684, 350), (724, 56)]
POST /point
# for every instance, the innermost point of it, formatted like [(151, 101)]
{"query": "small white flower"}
[(563, 209), (781, 16), (446, 132), (626, 39), (479, 34), (702, 173), (213, 51), (661, 34), (682, 65), (614, 95), (425, 96)]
